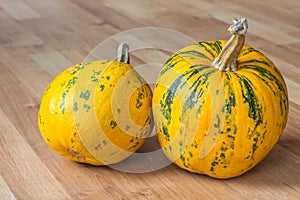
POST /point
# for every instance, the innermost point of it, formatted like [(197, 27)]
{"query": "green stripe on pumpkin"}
[(249, 96), (210, 48), (171, 63), (194, 52), (230, 101), (197, 92), (180, 82), (218, 45), (246, 51), (268, 78)]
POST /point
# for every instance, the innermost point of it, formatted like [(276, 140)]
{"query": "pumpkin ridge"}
[(250, 98), (230, 101), (179, 84), (266, 79), (255, 111), (189, 103), (265, 74), (167, 100)]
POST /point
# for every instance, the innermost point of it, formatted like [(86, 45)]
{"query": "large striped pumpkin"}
[(96, 113), (219, 107)]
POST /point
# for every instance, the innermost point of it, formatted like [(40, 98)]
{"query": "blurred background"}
[(38, 39)]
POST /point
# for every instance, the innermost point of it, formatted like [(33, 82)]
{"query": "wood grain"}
[(19, 10), (38, 39), (5, 192)]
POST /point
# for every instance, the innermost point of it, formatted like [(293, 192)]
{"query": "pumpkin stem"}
[(227, 59), (123, 55)]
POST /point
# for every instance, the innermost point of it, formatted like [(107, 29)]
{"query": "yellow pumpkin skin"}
[(218, 123), (84, 114)]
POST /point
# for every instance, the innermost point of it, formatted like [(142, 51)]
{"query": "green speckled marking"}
[(101, 87), (68, 86), (165, 132), (98, 147), (217, 125), (41, 121), (184, 161), (62, 103), (105, 61), (75, 106), (113, 153), (87, 107), (95, 75), (195, 145), (213, 165), (96, 72), (113, 124), (222, 155), (254, 146), (230, 102), (138, 104), (139, 99), (134, 146), (94, 79), (85, 95), (77, 68)]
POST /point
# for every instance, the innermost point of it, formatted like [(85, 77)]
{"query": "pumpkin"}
[(98, 112), (219, 106)]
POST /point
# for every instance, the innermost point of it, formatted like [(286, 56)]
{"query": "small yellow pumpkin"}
[(219, 107), (98, 112)]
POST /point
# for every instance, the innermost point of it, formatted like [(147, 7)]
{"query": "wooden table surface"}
[(38, 39)]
